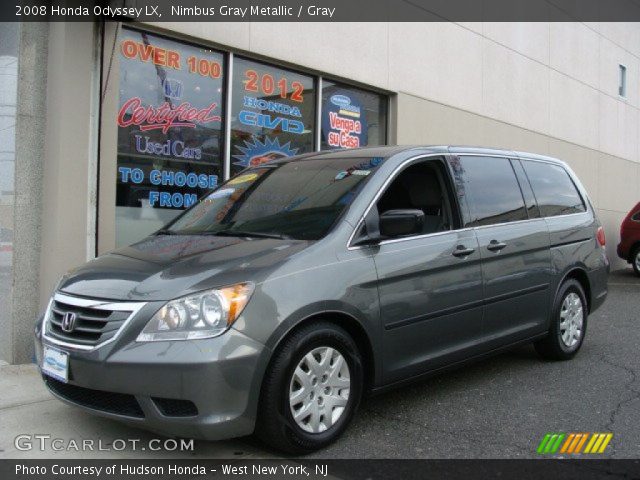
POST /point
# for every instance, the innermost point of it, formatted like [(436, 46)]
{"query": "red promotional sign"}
[(165, 116)]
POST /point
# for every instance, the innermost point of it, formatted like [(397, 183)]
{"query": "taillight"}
[(602, 241)]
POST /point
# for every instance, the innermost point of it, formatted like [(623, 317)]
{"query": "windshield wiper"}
[(240, 233), (165, 231)]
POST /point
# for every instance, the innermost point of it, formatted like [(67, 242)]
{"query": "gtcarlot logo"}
[(45, 442), (574, 443)]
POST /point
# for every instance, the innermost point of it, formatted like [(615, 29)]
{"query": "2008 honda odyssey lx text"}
[(282, 297)]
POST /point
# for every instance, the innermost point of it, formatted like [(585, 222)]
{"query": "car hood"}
[(169, 266)]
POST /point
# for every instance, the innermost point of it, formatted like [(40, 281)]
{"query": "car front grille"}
[(110, 402), (95, 323)]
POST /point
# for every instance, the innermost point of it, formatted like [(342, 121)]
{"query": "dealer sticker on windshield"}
[(55, 363)]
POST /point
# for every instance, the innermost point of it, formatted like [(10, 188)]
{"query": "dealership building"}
[(109, 130)]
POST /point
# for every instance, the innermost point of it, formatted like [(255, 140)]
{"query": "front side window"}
[(300, 199), (554, 190), (490, 190), (169, 130), (423, 187), (273, 114)]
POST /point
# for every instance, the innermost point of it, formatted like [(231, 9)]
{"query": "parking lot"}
[(497, 408)]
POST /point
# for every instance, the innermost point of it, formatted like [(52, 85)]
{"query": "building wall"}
[(69, 182)]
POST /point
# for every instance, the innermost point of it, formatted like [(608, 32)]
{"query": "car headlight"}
[(201, 315)]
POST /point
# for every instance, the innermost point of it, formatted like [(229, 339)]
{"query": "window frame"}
[(622, 81), (453, 201), (340, 83), (317, 85), (582, 195), (510, 159), (525, 178)]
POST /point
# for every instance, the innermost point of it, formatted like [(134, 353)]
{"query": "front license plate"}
[(55, 363)]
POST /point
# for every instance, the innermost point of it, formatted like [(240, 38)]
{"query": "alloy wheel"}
[(571, 319), (319, 389)]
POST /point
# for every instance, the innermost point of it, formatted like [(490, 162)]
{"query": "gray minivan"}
[(298, 286)]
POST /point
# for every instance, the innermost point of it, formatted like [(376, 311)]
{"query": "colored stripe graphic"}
[(543, 443), (593, 439), (557, 443), (606, 441), (581, 443), (569, 443), (572, 443), (550, 443)]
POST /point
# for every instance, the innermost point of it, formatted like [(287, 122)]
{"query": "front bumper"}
[(220, 376)]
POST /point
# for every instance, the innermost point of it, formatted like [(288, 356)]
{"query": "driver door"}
[(430, 283)]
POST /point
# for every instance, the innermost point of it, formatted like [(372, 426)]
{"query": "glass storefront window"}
[(170, 130), (352, 117), (272, 113)]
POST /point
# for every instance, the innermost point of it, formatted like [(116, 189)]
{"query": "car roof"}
[(391, 150)]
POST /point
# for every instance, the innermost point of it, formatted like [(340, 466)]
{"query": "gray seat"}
[(425, 194)]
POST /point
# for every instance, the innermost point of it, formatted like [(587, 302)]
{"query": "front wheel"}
[(568, 323), (311, 390)]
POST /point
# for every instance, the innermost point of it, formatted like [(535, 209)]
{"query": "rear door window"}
[(554, 190), (490, 190)]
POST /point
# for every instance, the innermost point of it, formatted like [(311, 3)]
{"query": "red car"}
[(629, 246)]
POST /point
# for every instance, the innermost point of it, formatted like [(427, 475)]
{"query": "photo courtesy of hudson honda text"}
[(125, 469)]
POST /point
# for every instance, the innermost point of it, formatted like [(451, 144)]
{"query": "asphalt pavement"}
[(496, 408)]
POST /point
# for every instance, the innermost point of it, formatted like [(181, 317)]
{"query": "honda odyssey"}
[(281, 298)]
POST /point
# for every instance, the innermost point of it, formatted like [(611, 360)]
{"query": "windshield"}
[(299, 199)]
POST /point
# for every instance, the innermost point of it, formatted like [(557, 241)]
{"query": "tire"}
[(635, 260), (564, 341), (276, 426)]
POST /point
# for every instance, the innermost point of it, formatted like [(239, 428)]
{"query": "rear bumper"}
[(216, 383)]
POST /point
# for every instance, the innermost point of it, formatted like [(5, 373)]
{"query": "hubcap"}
[(571, 319), (638, 261), (319, 389)]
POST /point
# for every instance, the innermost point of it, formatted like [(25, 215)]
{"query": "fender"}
[(326, 308), (576, 267)]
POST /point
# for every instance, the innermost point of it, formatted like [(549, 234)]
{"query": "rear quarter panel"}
[(574, 245)]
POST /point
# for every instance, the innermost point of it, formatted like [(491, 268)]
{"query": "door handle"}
[(496, 246), (462, 251)]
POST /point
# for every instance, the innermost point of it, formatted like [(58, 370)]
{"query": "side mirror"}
[(396, 223)]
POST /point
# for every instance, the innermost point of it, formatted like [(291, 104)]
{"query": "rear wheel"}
[(635, 260), (311, 389), (568, 323)]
